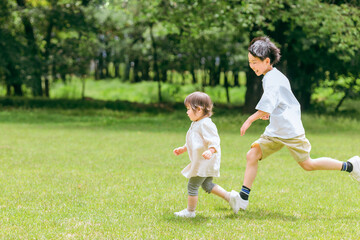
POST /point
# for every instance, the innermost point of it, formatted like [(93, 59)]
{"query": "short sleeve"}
[(269, 100), (210, 135)]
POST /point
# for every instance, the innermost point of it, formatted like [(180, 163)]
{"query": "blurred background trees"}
[(44, 41)]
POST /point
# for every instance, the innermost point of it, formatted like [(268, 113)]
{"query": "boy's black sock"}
[(245, 192), (347, 166)]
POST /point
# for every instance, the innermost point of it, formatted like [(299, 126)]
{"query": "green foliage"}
[(330, 93), (147, 39)]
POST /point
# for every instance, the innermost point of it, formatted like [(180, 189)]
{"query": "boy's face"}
[(258, 66)]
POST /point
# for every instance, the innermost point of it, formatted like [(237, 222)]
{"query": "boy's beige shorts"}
[(299, 146)]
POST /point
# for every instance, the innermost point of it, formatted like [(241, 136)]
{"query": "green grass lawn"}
[(112, 175)]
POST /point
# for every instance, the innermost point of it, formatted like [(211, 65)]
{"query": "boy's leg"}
[(269, 145), (240, 200), (300, 147), (252, 158), (323, 163)]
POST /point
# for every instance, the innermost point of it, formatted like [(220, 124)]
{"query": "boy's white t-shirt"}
[(200, 137), (280, 102)]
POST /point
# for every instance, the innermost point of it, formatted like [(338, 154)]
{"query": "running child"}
[(203, 147), (279, 104)]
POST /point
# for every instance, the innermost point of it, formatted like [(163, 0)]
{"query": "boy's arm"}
[(257, 115)]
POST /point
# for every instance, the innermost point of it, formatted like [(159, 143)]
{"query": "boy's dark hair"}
[(263, 48), (201, 100)]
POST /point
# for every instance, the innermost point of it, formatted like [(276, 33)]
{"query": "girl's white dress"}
[(200, 137)]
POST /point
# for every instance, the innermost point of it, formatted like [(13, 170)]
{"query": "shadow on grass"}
[(259, 214), (199, 219)]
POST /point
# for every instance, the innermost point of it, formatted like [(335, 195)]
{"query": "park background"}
[(91, 107)]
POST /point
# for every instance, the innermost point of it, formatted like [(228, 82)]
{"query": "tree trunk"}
[(347, 93), (193, 75), (164, 77), (13, 80), (34, 50), (83, 88), (47, 87), (17, 89), (136, 70), (116, 69), (145, 70), (226, 84), (156, 68), (182, 78), (236, 79), (127, 71), (253, 92), (46, 57), (101, 66)]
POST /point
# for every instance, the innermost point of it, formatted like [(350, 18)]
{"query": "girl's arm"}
[(208, 153), (180, 150), (257, 115)]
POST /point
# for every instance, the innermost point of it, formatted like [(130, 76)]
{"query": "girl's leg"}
[(252, 159), (193, 187), (323, 163), (219, 191), (192, 202), (193, 190)]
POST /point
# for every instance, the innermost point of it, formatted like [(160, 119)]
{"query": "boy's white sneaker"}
[(185, 214), (355, 173), (243, 203)]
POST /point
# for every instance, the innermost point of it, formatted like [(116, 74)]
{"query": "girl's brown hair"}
[(200, 100)]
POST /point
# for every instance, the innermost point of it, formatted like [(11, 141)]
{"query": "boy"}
[(279, 104)]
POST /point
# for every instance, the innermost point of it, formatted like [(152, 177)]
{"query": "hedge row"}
[(32, 103)]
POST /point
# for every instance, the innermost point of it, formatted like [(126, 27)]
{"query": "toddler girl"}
[(203, 146)]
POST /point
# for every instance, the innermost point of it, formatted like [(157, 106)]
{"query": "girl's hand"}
[(207, 154), (179, 150)]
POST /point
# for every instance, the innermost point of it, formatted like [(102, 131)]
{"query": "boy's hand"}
[(258, 115), (244, 127), (207, 154), (179, 150), (266, 117)]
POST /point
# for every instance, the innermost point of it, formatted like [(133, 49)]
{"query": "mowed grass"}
[(112, 175)]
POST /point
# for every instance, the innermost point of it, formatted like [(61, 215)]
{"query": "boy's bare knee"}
[(253, 155), (307, 165)]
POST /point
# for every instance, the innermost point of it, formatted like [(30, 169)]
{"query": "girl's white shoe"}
[(185, 213), (234, 201)]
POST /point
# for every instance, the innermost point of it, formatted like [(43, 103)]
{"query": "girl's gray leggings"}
[(195, 182)]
